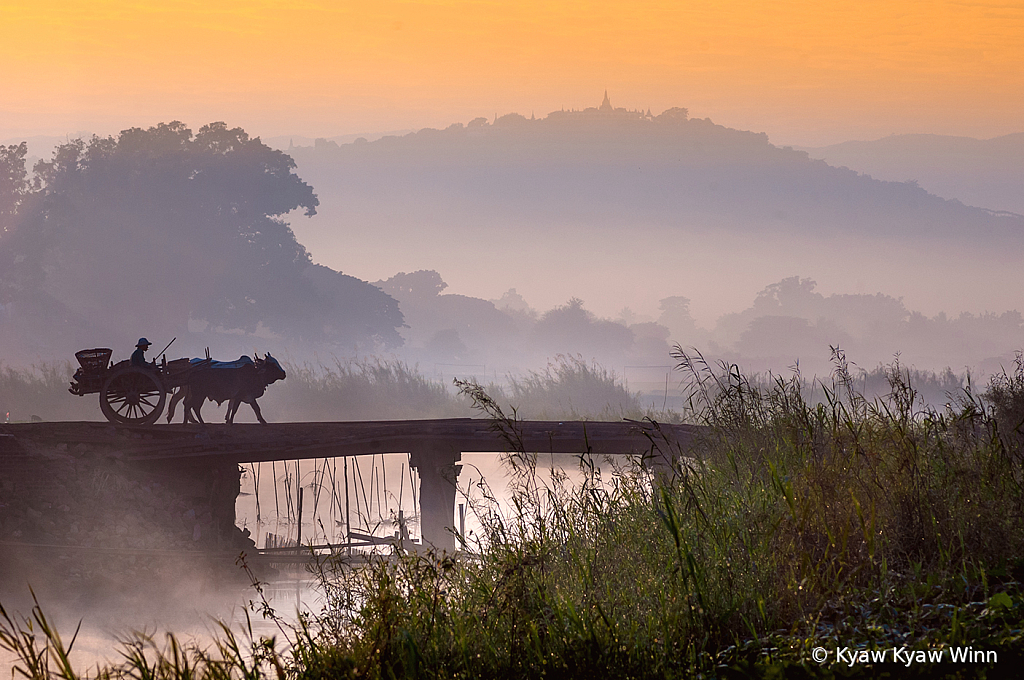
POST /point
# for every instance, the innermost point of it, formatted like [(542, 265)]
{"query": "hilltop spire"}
[(606, 105)]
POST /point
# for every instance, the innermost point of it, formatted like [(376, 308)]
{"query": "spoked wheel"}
[(132, 396)]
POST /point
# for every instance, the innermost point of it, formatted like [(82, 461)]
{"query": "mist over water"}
[(193, 602)]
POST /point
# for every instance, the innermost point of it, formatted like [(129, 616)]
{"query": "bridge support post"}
[(435, 464), (212, 486)]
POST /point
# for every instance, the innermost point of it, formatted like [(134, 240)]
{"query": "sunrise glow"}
[(798, 70)]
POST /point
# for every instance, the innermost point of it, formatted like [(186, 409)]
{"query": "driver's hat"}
[(143, 343)]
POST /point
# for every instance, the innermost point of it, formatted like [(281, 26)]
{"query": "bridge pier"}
[(435, 462), (211, 486), (89, 496)]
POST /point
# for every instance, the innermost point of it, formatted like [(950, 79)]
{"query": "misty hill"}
[(987, 173), (613, 167)]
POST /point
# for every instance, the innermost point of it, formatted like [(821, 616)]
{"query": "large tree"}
[(144, 231)]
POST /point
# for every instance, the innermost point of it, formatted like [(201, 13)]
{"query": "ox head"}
[(270, 368)]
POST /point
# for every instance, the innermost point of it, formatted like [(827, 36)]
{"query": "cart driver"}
[(139, 355)]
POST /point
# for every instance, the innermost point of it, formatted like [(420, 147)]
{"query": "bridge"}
[(210, 455)]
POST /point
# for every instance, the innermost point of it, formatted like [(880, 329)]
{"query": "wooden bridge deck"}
[(434, 448), (291, 441)]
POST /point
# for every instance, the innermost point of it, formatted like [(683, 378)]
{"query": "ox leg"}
[(191, 407), (232, 408), (233, 404), (175, 398), (256, 410)]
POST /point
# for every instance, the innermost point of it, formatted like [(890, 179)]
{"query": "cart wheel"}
[(132, 396)]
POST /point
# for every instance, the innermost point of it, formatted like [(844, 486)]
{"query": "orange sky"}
[(805, 72)]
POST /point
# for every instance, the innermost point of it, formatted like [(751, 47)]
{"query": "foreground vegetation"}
[(847, 525)]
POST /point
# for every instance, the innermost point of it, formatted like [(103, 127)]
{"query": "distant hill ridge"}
[(606, 166), (1010, 147), (986, 173)]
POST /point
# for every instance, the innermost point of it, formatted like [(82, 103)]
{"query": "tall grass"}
[(1006, 396), (570, 388), (788, 525), (43, 655), (866, 496), (931, 389), (42, 391), (361, 390)]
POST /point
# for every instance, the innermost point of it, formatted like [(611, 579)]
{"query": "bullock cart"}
[(130, 395)]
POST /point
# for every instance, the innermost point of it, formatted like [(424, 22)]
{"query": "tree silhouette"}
[(12, 181), (416, 287), (571, 328), (153, 228)]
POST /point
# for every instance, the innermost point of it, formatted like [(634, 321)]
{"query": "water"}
[(380, 489), (366, 494)]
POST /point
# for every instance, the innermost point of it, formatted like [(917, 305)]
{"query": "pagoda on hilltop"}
[(606, 113)]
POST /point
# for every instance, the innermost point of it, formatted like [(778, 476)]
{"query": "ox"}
[(239, 381)]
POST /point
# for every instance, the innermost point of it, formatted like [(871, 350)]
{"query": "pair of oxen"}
[(235, 382)]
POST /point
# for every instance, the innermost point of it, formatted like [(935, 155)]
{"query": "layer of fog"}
[(621, 210), (718, 267), (609, 210), (720, 272)]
